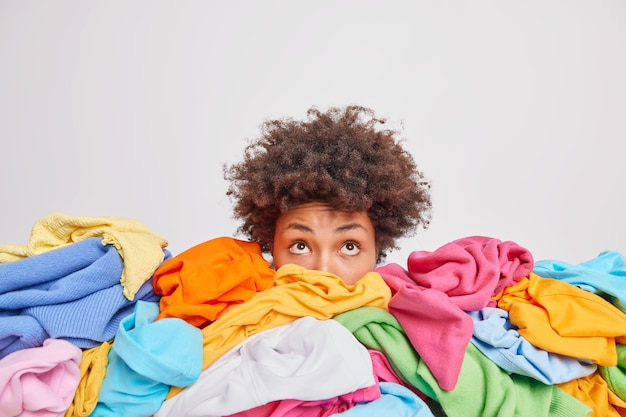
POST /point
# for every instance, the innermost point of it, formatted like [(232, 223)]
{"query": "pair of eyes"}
[(350, 248)]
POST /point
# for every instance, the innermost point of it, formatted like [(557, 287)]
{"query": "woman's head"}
[(316, 236), (344, 158)]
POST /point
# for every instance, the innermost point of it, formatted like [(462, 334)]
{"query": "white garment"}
[(307, 359)]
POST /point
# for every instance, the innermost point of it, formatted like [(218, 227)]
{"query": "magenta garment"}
[(431, 298), (318, 408), (39, 381), (385, 373)]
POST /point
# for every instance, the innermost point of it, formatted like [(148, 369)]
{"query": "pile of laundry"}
[(98, 318)]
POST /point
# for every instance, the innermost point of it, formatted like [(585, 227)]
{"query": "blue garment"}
[(60, 275), (496, 337), (395, 400), (604, 275), (72, 293), (19, 332), (146, 357)]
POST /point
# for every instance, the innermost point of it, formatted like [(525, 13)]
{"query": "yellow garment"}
[(298, 292), (92, 370), (141, 250), (559, 317), (593, 391)]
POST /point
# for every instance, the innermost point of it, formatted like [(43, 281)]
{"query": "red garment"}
[(430, 299), (199, 283)]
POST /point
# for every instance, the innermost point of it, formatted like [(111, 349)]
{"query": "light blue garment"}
[(604, 275), (146, 357), (395, 400), (72, 293), (496, 337)]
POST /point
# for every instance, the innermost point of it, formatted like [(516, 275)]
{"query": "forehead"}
[(320, 215)]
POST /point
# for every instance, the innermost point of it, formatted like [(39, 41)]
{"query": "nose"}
[(323, 262)]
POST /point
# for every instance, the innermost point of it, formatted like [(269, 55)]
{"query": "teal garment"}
[(615, 376), (146, 357), (483, 388), (604, 275), (395, 400)]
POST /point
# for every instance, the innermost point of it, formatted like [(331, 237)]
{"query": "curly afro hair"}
[(343, 157)]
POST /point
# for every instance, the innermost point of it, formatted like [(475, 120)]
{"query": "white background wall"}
[(516, 110)]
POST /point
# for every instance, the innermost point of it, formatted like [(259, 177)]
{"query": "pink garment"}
[(39, 381), (384, 372), (430, 300), (320, 408)]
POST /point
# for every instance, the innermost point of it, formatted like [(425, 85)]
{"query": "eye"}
[(299, 248), (350, 248)]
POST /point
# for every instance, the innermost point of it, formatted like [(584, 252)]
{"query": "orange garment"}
[(298, 292), (199, 283), (559, 317), (593, 391)]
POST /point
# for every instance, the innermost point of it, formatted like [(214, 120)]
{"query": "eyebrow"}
[(349, 226), (340, 229)]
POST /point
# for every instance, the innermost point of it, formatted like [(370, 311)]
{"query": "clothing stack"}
[(97, 318)]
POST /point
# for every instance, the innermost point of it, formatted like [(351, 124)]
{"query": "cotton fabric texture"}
[(501, 394), (284, 362), (499, 340), (39, 381), (432, 295), (146, 357), (92, 371), (604, 275), (298, 292), (198, 284), (71, 292), (141, 249)]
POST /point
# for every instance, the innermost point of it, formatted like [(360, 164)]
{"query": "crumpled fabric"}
[(146, 357), (431, 296), (199, 283), (39, 381), (141, 249)]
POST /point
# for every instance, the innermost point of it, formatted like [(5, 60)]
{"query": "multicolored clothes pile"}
[(97, 318)]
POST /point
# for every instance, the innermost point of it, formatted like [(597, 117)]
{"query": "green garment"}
[(615, 376), (483, 388)]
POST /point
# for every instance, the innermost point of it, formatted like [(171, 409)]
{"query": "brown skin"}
[(316, 236), (346, 158)]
